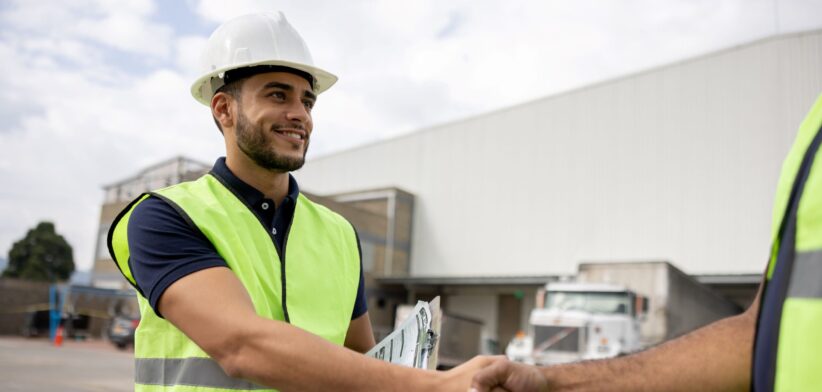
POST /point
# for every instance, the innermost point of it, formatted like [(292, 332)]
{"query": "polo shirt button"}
[(274, 231), (265, 206)]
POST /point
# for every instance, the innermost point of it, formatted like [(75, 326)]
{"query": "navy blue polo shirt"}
[(164, 247)]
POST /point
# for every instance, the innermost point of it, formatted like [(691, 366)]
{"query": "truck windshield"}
[(594, 302)]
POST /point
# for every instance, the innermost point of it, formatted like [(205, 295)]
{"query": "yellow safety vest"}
[(314, 290), (788, 345)]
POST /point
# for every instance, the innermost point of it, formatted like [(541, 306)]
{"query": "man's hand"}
[(458, 379), (500, 374)]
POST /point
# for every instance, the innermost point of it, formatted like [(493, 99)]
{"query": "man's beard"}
[(252, 141)]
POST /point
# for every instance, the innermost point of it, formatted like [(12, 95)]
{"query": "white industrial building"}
[(677, 163)]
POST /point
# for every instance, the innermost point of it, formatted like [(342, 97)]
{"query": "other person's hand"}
[(459, 378), (500, 374)]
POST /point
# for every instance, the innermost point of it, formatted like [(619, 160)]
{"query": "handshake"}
[(497, 374), (414, 344)]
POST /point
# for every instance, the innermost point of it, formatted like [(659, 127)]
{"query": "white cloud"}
[(220, 11), (122, 25), (129, 33), (81, 121), (189, 49)]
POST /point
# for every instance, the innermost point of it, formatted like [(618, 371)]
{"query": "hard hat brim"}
[(202, 90)]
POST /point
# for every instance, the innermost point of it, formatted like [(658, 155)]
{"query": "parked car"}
[(121, 331)]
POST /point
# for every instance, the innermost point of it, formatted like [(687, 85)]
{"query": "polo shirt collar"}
[(248, 193)]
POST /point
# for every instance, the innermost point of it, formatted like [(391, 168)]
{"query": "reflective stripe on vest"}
[(806, 276), (202, 372), (788, 337), (318, 283)]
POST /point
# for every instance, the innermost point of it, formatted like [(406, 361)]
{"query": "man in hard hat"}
[(773, 346), (243, 282)]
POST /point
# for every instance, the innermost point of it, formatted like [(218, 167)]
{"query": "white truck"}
[(576, 321), (610, 309)]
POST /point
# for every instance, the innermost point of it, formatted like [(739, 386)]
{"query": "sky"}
[(93, 91)]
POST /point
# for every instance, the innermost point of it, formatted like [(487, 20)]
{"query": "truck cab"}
[(575, 321)]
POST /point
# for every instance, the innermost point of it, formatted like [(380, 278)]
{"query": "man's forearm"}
[(214, 310), (714, 358), (275, 354)]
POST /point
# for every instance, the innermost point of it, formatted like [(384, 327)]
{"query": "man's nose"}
[(298, 112)]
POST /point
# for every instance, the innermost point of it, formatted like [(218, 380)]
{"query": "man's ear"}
[(221, 105)]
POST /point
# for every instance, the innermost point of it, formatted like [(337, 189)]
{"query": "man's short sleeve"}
[(164, 247), (361, 303)]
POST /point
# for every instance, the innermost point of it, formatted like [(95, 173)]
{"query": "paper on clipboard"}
[(414, 342)]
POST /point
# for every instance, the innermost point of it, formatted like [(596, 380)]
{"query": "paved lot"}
[(36, 365)]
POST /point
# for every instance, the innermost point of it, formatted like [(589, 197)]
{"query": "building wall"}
[(482, 307), (393, 236), (676, 163), (105, 272), (18, 298)]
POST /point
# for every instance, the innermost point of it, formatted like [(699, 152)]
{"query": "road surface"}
[(76, 366)]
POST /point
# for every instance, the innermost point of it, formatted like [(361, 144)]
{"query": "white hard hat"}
[(255, 40)]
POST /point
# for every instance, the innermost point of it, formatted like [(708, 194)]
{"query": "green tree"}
[(43, 255)]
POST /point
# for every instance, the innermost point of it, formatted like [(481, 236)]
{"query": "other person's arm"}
[(713, 358)]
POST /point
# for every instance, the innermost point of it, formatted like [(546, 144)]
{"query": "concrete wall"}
[(104, 272), (17, 299), (390, 235), (481, 307), (692, 305)]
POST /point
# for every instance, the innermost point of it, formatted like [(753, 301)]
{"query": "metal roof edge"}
[(537, 280)]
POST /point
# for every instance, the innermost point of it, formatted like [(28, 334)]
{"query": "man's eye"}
[(308, 104), (277, 94)]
